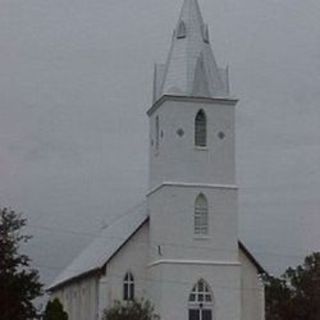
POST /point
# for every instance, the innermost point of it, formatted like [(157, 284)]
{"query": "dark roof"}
[(249, 255)]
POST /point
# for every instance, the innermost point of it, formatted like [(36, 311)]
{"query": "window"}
[(128, 287), (200, 302), (181, 31), (201, 215), (205, 33), (157, 132), (201, 129)]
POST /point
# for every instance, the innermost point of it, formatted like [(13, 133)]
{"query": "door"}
[(200, 314)]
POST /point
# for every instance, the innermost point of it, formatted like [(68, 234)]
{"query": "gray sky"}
[(76, 80)]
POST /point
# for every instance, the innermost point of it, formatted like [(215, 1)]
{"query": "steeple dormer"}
[(191, 69)]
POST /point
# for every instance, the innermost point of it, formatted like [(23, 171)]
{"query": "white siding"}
[(179, 172), (174, 282), (177, 158), (79, 299), (252, 291), (132, 257)]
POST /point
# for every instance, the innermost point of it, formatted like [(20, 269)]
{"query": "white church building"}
[(180, 248)]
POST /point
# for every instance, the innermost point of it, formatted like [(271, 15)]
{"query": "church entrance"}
[(200, 302), (200, 314)]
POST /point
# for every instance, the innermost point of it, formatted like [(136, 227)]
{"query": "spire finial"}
[(191, 16)]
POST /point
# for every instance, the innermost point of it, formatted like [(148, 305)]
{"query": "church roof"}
[(104, 246), (191, 68)]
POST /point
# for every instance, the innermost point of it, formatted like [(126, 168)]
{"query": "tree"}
[(54, 311), (296, 294), (19, 283), (131, 310)]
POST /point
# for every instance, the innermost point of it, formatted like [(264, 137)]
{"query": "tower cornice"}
[(191, 185), (215, 100)]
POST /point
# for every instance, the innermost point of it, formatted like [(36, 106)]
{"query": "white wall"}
[(175, 282), (86, 299), (80, 298), (252, 297), (177, 158), (172, 224), (238, 291), (132, 257), (184, 257)]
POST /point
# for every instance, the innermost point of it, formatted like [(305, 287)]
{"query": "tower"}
[(192, 201)]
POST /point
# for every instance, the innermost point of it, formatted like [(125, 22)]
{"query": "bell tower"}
[(192, 198)]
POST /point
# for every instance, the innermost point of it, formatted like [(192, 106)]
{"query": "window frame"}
[(200, 309), (200, 130), (181, 30), (201, 216), (157, 132), (128, 287)]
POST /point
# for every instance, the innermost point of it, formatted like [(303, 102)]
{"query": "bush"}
[(54, 311), (132, 310)]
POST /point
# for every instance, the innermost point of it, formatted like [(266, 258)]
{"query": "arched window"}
[(200, 302), (201, 215), (181, 30), (128, 287), (205, 33), (201, 129), (157, 132)]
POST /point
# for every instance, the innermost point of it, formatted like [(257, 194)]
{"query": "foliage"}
[(131, 310), (296, 294), (54, 311), (19, 283)]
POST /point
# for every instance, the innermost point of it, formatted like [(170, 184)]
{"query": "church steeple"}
[(191, 69), (192, 198)]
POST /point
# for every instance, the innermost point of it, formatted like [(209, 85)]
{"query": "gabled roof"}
[(104, 247), (191, 69), (253, 260)]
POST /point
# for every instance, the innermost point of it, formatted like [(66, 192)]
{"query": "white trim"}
[(196, 262), (210, 100), (201, 148), (192, 185), (201, 237)]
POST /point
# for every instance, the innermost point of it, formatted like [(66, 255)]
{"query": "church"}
[(180, 247)]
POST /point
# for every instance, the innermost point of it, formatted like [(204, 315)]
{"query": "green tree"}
[(19, 283), (54, 311), (132, 310), (296, 294)]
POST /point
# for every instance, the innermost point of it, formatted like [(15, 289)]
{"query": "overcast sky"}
[(76, 81)]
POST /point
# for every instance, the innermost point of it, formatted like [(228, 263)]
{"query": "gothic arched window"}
[(200, 302), (205, 33), (201, 215), (181, 30), (128, 287), (200, 133), (157, 132)]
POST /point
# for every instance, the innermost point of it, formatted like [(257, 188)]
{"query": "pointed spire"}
[(191, 14), (191, 69)]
